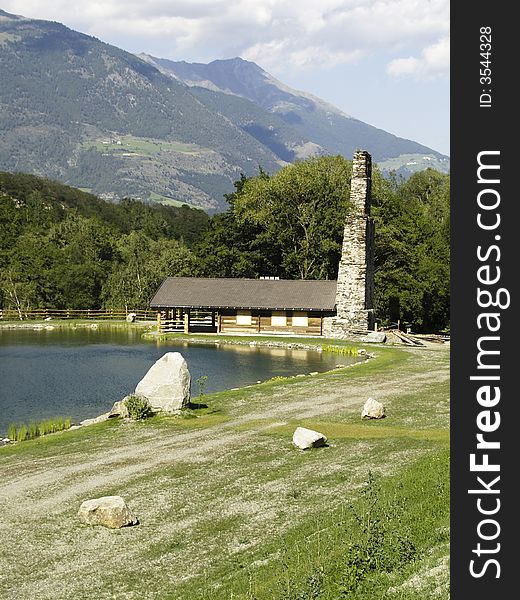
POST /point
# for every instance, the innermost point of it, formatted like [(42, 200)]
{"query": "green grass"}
[(22, 432), (259, 339), (418, 161), (228, 508), (363, 550), (154, 197), (65, 443), (336, 349), (139, 146), (71, 442), (365, 430)]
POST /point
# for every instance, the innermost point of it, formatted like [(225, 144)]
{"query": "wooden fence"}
[(40, 314)]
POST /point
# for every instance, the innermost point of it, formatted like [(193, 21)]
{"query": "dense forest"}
[(63, 248)]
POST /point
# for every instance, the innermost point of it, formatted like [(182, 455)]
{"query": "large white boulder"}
[(167, 383), (304, 438), (373, 409), (109, 511)]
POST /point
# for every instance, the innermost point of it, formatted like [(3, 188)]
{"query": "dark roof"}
[(281, 294)]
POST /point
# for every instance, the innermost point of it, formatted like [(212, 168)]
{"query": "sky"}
[(385, 62)]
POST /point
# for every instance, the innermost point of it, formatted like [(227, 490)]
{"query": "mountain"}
[(327, 127), (86, 113)]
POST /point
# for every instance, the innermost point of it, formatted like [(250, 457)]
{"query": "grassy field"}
[(228, 508), (139, 146), (415, 163)]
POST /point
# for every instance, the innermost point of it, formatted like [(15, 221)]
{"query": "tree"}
[(412, 251), (18, 292), (301, 209), (84, 251), (142, 266)]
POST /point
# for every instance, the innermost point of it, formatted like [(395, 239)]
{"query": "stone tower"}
[(355, 290)]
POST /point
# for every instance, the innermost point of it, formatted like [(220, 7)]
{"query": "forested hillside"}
[(63, 248)]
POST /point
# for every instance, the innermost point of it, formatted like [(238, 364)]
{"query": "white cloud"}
[(434, 61), (278, 34)]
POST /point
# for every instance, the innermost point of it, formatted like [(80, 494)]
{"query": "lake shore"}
[(227, 486), (79, 372)]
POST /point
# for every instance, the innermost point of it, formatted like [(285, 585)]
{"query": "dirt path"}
[(181, 483)]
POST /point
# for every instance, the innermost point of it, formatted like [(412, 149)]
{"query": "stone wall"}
[(355, 291)]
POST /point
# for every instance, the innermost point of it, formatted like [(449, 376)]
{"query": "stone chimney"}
[(355, 290)]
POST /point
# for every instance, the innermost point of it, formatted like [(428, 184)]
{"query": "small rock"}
[(119, 410), (131, 317), (314, 373), (109, 511), (5, 441), (377, 337), (48, 319), (373, 409), (99, 419), (307, 438)]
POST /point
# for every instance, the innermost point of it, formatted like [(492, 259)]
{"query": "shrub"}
[(53, 425), (34, 431), (22, 433), (344, 350), (45, 427), (12, 430), (138, 407), (383, 544), (201, 382)]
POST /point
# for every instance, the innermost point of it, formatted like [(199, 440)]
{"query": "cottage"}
[(331, 308), (244, 305)]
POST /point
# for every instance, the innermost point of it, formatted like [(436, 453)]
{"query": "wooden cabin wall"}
[(225, 321)]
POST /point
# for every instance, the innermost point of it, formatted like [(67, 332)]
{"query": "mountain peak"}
[(5, 16), (236, 60)]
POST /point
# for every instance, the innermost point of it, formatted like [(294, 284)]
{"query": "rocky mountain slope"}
[(326, 127), (86, 113)]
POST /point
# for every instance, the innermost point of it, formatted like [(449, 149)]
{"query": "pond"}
[(81, 372)]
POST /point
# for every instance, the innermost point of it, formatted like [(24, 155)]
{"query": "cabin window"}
[(243, 317), (278, 318), (300, 319)]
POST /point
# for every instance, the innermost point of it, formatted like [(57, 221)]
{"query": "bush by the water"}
[(138, 407), (344, 350), (20, 432)]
